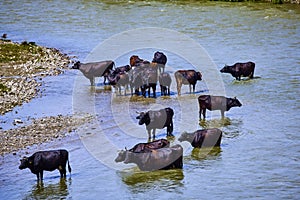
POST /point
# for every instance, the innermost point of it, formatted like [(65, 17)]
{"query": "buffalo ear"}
[(234, 98), (138, 117)]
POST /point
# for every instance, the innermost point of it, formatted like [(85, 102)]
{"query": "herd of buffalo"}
[(142, 76)]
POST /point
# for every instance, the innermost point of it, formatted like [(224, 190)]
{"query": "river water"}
[(259, 155)]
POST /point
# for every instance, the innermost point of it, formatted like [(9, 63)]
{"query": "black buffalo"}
[(159, 159), (149, 79), (136, 61), (147, 147), (187, 77), (143, 148), (240, 69), (121, 69), (203, 138), (95, 69), (143, 77), (118, 80), (216, 103), (157, 119), (165, 83), (48, 161), (161, 59)]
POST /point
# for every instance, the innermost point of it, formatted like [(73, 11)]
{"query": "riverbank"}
[(23, 69)]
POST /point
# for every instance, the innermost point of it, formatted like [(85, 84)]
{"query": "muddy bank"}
[(23, 67)]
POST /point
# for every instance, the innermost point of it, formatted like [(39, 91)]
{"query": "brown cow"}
[(187, 77)]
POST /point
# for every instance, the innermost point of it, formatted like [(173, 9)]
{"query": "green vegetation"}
[(18, 53), (3, 88)]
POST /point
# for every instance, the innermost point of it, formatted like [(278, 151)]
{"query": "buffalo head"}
[(160, 58), (185, 136), (225, 69), (121, 156), (144, 118), (199, 76), (233, 102), (25, 163), (76, 65)]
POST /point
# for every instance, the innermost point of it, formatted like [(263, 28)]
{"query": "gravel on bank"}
[(40, 131), (23, 66)]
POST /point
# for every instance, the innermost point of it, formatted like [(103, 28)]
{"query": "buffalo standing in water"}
[(156, 159), (48, 161), (187, 77), (143, 148), (240, 69), (216, 103), (203, 138), (157, 119), (95, 69)]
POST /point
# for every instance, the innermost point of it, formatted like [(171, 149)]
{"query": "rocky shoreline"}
[(23, 66), (40, 131)]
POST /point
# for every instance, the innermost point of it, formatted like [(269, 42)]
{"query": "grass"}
[(18, 53)]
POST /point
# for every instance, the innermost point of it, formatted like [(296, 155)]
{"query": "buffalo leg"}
[(178, 89), (194, 88), (222, 113), (92, 81), (200, 113), (149, 134), (153, 133), (190, 88), (154, 91), (40, 175), (203, 112), (170, 129)]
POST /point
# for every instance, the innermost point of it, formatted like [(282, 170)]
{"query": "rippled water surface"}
[(259, 155)]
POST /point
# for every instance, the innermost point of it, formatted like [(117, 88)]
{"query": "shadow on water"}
[(230, 128), (206, 153), (246, 81), (50, 191), (215, 123), (139, 181)]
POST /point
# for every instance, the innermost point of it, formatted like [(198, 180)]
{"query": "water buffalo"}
[(144, 147), (240, 69), (203, 138), (161, 59), (137, 61), (165, 83), (120, 69), (147, 147), (216, 103), (187, 77), (95, 69), (118, 80), (149, 79), (159, 159), (157, 119), (48, 161)]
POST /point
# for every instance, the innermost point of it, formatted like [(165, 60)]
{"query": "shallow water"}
[(259, 154)]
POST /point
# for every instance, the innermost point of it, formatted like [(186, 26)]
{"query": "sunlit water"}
[(259, 155)]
